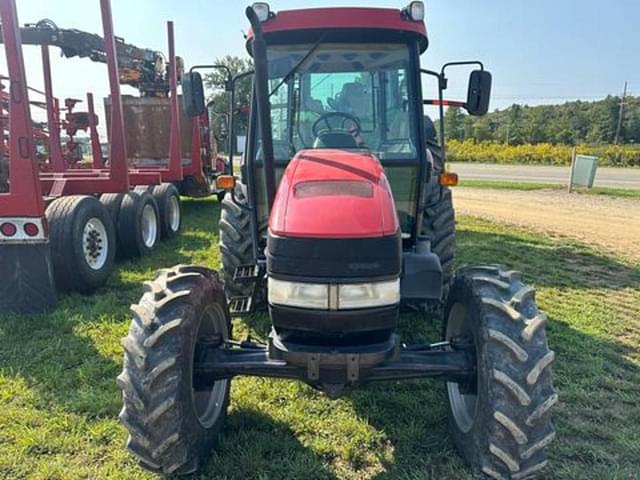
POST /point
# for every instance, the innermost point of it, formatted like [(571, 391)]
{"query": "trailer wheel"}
[(138, 224), (83, 242), (500, 420), (168, 200), (172, 426), (112, 202), (235, 240)]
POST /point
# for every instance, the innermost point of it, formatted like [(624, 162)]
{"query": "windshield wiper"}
[(298, 65)]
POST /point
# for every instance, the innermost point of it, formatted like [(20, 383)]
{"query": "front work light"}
[(262, 10), (415, 11), (320, 296)]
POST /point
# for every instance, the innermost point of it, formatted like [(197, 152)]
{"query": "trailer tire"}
[(138, 224), (112, 202), (83, 243), (170, 209), (235, 240), (167, 431), (501, 422)]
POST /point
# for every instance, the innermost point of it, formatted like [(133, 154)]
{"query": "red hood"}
[(334, 194)]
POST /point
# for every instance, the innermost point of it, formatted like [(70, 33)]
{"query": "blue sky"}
[(541, 51)]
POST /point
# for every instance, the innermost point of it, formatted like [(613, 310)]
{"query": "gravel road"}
[(612, 224)]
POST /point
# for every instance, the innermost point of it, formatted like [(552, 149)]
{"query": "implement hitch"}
[(332, 368)]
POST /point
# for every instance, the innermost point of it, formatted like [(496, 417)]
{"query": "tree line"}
[(571, 123)]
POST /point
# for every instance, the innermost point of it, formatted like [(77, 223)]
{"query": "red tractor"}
[(343, 218)]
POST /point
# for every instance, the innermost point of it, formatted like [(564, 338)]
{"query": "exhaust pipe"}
[(261, 92)]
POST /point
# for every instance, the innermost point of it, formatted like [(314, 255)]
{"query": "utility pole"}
[(620, 115)]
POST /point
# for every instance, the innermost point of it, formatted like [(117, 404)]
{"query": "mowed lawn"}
[(59, 401)]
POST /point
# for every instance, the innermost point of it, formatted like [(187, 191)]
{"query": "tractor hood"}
[(329, 193)]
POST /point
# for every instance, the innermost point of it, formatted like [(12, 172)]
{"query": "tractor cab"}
[(349, 80)]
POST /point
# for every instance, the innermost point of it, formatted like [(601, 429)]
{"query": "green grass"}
[(527, 186), (59, 401)]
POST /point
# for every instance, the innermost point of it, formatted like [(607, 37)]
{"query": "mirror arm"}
[(442, 85), (457, 64)]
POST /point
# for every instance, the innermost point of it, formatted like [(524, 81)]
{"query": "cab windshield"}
[(348, 96)]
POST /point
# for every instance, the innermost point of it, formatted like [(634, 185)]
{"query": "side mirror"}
[(193, 94), (479, 93)]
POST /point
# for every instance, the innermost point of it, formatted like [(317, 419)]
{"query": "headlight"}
[(368, 295), (319, 296), (295, 294)]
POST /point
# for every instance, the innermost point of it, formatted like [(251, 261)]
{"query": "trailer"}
[(61, 223)]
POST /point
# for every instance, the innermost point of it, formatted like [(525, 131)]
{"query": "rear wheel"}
[(138, 224), (439, 223), (500, 420), (83, 242), (172, 425), (235, 240)]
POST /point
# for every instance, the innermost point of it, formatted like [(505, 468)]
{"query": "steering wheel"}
[(346, 117)]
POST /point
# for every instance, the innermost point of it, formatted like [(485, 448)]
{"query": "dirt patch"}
[(612, 224)]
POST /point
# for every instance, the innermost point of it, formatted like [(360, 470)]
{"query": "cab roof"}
[(283, 26)]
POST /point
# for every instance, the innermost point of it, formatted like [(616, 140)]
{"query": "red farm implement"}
[(61, 220)]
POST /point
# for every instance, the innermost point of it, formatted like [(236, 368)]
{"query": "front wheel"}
[(500, 419), (173, 425)]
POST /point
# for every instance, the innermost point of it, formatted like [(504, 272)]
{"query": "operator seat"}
[(356, 99), (335, 140)]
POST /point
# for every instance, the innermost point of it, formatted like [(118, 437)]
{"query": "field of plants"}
[(59, 401), (540, 154)]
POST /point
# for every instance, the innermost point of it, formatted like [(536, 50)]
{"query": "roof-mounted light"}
[(263, 12), (415, 11)]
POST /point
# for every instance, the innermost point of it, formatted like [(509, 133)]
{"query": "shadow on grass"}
[(545, 262), (255, 446), (596, 419), (597, 375), (72, 356)]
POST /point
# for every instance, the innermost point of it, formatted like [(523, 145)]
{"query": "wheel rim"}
[(464, 406), (208, 404), (95, 243), (174, 213), (149, 226)]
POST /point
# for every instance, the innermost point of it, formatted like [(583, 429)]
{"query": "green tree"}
[(482, 130), (454, 123)]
